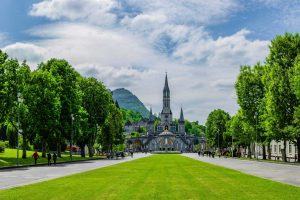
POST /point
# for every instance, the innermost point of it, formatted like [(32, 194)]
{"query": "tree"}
[(112, 133), (26, 122), (3, 89), (69, 92), (250, 95), (96, 101), (295, 79), (216, 127), (280, 99), (44, 105), (240, 131)]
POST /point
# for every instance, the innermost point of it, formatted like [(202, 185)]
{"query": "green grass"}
[(157, 177), (9, 158)]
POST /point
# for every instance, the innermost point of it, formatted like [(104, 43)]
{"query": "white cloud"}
[(92, 11), (132, 43), (33, 54)]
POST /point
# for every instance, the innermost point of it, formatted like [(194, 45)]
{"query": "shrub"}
[(2, 146)]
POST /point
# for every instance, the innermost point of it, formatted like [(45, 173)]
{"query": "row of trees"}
[(268, 96), (54, 105)]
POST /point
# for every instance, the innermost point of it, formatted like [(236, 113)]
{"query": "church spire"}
[(166, 87), (151, 115), (181, 119)]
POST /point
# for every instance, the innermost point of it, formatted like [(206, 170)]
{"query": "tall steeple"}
[(181, 119), (166, 94), (166, 87), (151, 115), (166, 113)]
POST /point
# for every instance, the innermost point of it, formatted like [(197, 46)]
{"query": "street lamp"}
[(19, 130), (71, 142), (256, 152), (232, 145), (218, 140)]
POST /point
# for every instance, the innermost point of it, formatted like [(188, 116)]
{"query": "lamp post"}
[(218, 140), (232, 146), (19, 130), (71, 142), (256, 152)]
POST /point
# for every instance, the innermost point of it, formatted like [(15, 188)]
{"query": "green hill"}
[(129, 101)]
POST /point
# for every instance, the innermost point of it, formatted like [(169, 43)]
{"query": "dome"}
[(166, 132)]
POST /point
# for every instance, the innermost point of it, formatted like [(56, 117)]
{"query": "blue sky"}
[(131, 43)]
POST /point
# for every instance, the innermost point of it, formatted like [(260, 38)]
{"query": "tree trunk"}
[(249, 151), (283, 153), (43, 148), (264, 152), (91, 152), (58, 149), (24, 147), (298, 148), (82, 150), (269, 151)]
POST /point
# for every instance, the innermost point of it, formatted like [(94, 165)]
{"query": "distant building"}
[(166, 136)]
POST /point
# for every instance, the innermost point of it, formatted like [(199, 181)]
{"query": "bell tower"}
[(166, 113)]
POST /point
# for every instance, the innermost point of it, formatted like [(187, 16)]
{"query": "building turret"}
[(151, 115), (151, 128), (181, 127)]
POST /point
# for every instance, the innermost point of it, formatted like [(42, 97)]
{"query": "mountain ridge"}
[(126, 99)]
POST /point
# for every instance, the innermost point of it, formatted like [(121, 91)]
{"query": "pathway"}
[(22, 176), (278, 172)]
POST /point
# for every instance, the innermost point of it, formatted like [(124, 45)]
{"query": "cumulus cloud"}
[(33, 54), (92, 11), (132, 43)]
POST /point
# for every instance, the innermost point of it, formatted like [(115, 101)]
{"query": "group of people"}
[(209, 154), (54, 157), (36, 156)]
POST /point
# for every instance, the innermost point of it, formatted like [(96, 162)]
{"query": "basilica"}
[(167, 135)]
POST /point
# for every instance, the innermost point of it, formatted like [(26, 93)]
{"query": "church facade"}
[(167, 135)]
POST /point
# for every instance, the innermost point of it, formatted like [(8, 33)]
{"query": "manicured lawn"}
[(157, 177), (9, 158)]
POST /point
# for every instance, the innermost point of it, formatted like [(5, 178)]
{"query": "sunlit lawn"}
[(9, 158), (157, 177)]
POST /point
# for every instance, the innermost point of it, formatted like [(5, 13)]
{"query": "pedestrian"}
[(131, 153), (35, 156), (49, 159), (198, 153), (54, 158)]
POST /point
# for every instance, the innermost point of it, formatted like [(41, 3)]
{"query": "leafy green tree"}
[(3, 90), (70, 95), (26, 122), (250, 96), (44, 105), (130, 115), (241, 132), (96, 101), (295, 77), (280, 98), (216, 128), (112, 129)]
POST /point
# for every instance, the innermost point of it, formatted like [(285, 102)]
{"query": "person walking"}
[(54, 158), (35, 156), (49, 159), (131, 153)]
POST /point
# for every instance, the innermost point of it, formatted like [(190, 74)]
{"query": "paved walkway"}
[(278, 172), (22, 176)]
